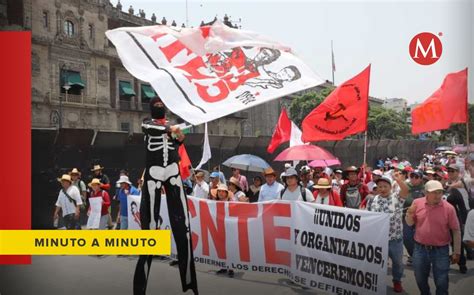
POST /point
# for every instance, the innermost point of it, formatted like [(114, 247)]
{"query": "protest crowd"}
[(434, 193), (426, 206)]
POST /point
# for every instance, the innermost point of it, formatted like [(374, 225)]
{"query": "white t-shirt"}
[(320, 200), (67, 206), (270, 192), (469, 227), (201, 190), (296, 195)]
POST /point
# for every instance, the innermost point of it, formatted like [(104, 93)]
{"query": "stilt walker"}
[(162, 171)]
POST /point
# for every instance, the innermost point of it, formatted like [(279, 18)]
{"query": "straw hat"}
[(200, 174), (430, 171), (269, 171), (222, 187), (97, 167), (65, 177), (75, 171), (351, 169), (323, 183), (235, 182), (95, 181)]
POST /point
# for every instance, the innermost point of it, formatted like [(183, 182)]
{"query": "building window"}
[(126, 93), (69, 28), (147, 93), (91, 31), (45, 19), (71, 82), (125, 126)]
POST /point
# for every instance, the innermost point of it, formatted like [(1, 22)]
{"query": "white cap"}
[(433, 185), (377, 172)]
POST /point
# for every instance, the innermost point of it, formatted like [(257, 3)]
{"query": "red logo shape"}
[(425, 48)]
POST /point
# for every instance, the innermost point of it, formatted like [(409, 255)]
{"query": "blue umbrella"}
[(247, 162)]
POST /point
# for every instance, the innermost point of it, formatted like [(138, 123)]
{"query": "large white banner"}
[(337, 250), (205, 73)]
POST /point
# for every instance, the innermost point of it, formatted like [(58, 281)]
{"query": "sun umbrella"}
[(463, 148), (324, 163), (247, 162), (305, 152), (443, 148)]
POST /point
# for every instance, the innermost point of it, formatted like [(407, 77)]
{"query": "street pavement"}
[(89, 275)]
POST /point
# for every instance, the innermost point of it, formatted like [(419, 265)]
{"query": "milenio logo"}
[(426, 48)]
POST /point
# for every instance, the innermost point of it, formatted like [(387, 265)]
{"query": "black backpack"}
[(302, 190)]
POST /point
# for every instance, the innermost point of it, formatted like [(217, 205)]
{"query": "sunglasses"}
[(414, 176)]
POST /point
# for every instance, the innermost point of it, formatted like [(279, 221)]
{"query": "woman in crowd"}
[(324, 194), (236, 189), (254, 189), (224, 195)]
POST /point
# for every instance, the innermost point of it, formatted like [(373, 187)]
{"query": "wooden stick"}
[(365, 148)]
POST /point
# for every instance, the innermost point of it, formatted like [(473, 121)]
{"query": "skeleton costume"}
[(162, 171)]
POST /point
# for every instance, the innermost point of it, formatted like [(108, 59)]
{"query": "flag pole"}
[(467, 133), (365, 148), (468, 147), (332, 64)]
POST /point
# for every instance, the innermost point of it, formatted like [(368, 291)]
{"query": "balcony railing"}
[(125, 105), (75, 99)]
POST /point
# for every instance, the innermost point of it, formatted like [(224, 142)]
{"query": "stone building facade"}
[(69, 48)]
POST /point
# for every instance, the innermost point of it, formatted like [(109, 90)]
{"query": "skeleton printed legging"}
[(169, 178)]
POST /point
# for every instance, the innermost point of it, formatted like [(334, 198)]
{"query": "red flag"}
[(342, 113), (446, 106), (282, 132), (184, 163)]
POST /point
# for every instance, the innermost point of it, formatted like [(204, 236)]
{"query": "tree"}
[(302, 105), (387, 124)]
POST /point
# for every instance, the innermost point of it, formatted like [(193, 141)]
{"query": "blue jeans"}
[(408, 237), (395, 252), (438, 259), (123, 222)]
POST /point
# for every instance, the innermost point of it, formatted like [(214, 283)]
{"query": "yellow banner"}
[(85, 242)]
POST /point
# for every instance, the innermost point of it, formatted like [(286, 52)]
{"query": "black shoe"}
[(221, 271), (462, 269), (230, 273), (173, 262)]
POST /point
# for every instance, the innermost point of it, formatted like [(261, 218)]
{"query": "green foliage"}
[(302, 105), (387, 124)]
